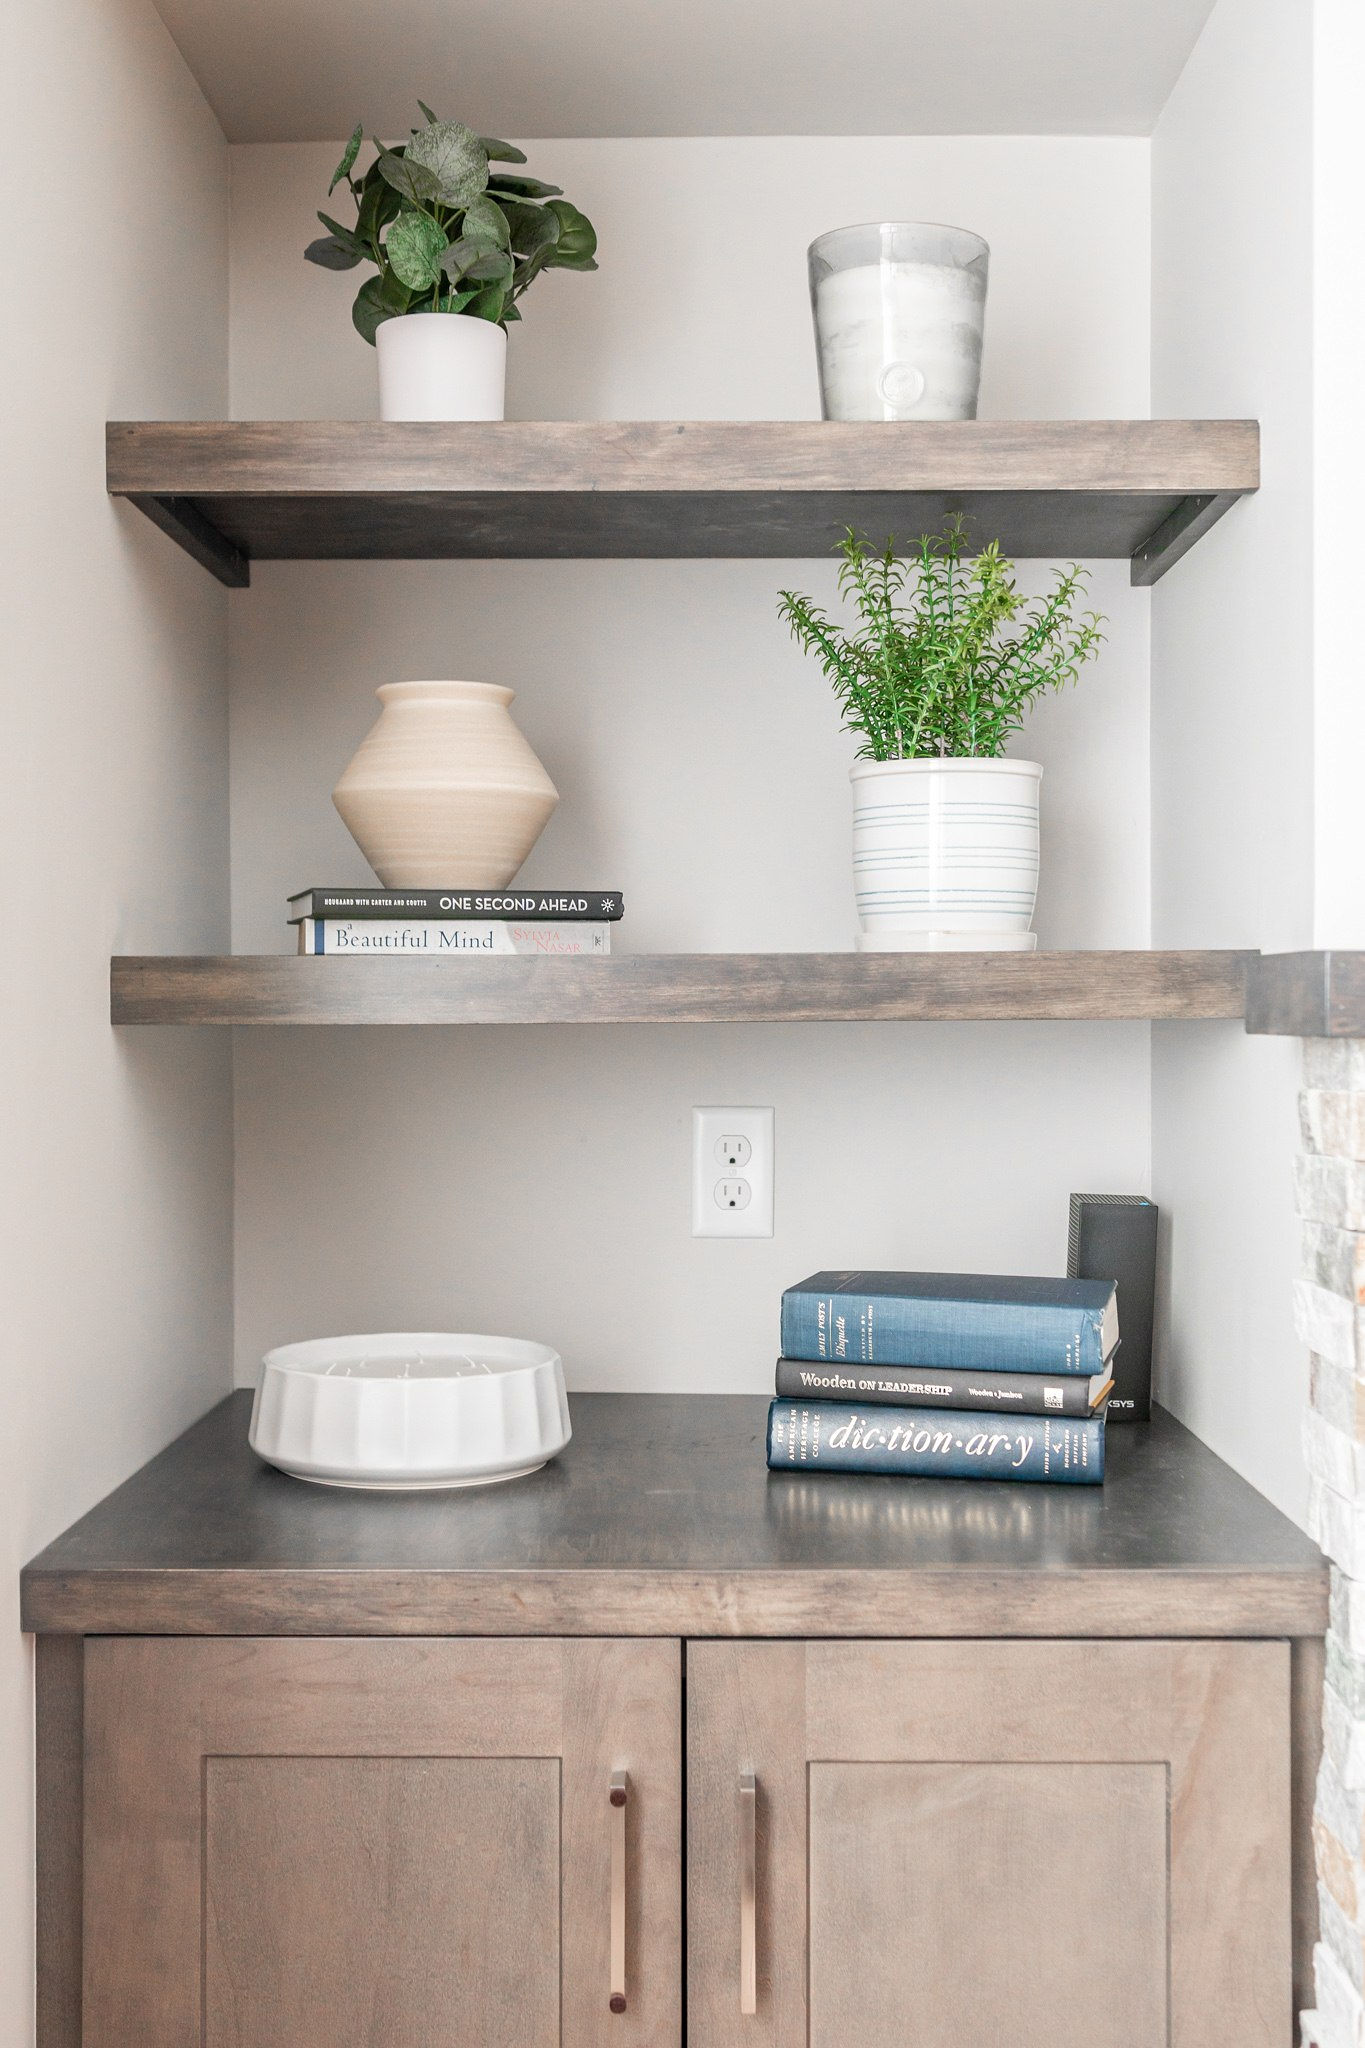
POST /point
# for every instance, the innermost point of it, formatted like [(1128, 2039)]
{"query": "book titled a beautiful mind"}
[(452, 938)]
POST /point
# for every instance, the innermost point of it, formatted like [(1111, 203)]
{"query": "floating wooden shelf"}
[(228, 492), (698, 988), (1307, 995)]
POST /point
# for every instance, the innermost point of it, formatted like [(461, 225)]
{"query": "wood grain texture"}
[(1306, 995), (1018, 1600), (390, 1698), (305, 458), (688, 988), (1059, 1870), (623, 1712), (364, 1902), (331, 489), (206, 1539), (1215, 1716), (173, 1832), (746, 1710), (59, 1777), (1307, 1663)]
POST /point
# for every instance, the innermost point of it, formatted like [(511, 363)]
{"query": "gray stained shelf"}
[(695, 988), (231, 492), (1307, 995), (660, 1518), (1296, 995)]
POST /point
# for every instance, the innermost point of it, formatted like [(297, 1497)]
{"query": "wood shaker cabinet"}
[(1054, 1845), (945, 1763), (335, 1844)]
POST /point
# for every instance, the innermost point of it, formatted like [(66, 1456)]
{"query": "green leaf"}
[(379, 204), (532, 267), (331, 254), (487, 304), (509, 312), (492, 266), (522, 188), (576, 248), (455, 302), (346, 236), (415, 181), (530, 227), (498, 152), (476, 260), (394, 294), (485, 221), (349, 155), (461, 254), (378, 299), (433, 118), (454, 157), (414, 247)]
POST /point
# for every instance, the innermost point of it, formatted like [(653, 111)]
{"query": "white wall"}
[(1232, 721), (1338, 460), (115, 1215), (700, 307), (538, 1181)]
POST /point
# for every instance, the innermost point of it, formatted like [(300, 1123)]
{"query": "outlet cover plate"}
[(712, 1217)]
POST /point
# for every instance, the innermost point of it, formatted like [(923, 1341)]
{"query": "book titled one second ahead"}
[(933, 1443)]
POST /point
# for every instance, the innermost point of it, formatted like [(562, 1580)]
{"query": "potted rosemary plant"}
[(935, 679), (456, 239)]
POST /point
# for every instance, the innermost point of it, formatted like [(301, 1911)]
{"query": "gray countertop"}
[(661, 1518)]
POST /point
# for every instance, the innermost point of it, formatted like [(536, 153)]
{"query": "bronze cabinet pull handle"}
[(620, 1783), (748, 1886)]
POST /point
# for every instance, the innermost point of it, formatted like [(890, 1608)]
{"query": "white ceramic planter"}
[(441, 366), (445, 791), (410, 1409), (945, 854)]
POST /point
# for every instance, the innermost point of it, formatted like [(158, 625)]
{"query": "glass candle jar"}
[(899, 311)]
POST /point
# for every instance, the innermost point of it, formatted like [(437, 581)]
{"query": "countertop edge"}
[(792, 1601)]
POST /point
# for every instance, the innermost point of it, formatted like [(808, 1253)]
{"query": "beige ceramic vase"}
[(445, 790)]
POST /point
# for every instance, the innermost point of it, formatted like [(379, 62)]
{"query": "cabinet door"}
[(382, 1844), (963, 1844)]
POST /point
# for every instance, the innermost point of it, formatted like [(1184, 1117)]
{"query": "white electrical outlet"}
[(732, 1173)]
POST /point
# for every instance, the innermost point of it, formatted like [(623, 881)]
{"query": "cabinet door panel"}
[(1076, 1950), (379, 1844), (396, 1876), (967, 1842)]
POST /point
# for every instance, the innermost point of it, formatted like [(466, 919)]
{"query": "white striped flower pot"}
[(945, 854)]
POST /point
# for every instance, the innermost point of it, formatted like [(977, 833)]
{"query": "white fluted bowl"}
[(410, 1409)]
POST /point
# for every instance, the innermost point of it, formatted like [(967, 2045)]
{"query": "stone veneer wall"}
[(1330, 1314)]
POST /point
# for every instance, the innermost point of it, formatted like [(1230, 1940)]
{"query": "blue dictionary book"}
[(976, 1322), (944, 1443)]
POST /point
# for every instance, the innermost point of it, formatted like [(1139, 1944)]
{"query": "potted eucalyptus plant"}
[(935, 679), (455, 240)]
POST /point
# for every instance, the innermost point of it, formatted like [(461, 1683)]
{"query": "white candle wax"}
[(900, 341)]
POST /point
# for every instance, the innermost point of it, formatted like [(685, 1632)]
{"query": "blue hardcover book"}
[(834, 1436), (976, 1322)]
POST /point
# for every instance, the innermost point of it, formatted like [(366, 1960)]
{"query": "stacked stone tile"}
[(1330, 1313)]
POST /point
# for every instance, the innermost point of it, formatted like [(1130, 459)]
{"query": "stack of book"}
[(962, 1375), (455, 924)]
